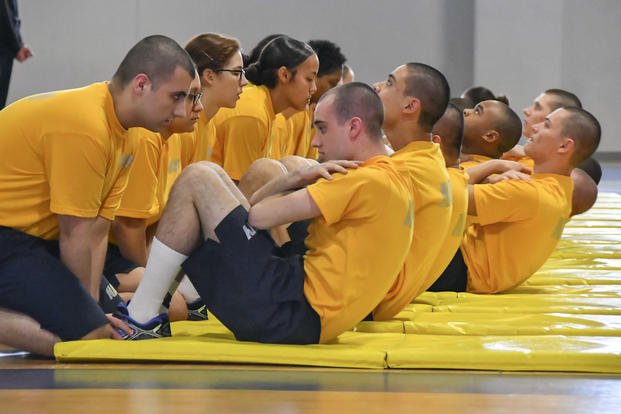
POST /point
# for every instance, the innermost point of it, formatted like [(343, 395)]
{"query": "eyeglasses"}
[(239, 72), (195, 98)]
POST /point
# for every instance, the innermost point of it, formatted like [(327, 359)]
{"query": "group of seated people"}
[(273, 192)]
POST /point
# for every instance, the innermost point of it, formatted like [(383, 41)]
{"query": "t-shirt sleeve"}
[(355, 195), (139, 194), (75, 165), (508, 201)]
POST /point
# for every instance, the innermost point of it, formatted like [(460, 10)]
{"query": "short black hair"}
[(509, 126), (561, 98), (357, 99), (450, 128), (478, 94), (331, 59), (156, 56), (584, 129), (432, 89), (592, 168)]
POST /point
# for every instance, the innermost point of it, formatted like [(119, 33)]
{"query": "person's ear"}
[(436, 139), (208, 77), (412, 105), (283, 74), (568, 146), (141, 83), (355, 127), (491, 136)]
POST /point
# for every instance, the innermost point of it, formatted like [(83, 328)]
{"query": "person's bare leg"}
[(234, 189), (21, 332), (295, 162), (585, 192), (260, 172), (199, 201)]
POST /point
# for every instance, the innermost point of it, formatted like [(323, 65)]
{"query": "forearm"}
[(83, 244), (131, 237), (279, 185), (479, 172)]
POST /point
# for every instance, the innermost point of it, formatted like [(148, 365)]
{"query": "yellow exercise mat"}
[(481, 324), (394, 326), (596, 290), (555, 276), (519, 303), (509, 353), (350, 350)]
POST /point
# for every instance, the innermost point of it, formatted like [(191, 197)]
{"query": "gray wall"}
[(514, 47)]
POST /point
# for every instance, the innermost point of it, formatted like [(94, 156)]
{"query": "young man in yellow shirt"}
[(449, 132), (361, 227), (490, 129), (61, 187), (415, 96), (498, 251), (585, 180)]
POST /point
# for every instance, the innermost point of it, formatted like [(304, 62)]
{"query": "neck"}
[(120, 101), (279, 100), (404, 132), (552, 166), (372, 149), (210, 108), (165, 134)]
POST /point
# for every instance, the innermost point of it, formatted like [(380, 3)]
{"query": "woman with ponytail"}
[(219, 63), (282, 77)]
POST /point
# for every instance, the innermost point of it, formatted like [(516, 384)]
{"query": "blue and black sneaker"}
[(158, 327), (197, 311)]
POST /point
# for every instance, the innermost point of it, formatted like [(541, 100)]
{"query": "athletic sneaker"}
[(197, 311), (157, 327)]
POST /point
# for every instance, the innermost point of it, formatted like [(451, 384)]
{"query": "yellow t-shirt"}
[(356, 247), (422, 165), (156, 167), (518, 224), (528, 162), (281, 138), (473, 160), (65, 153), (199, 145), (243, 133), (292, 136), (459, 191)]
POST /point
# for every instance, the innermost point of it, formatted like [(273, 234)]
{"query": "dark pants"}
[(6, 67), (454, 278)]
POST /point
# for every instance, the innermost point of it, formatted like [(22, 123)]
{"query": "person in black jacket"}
[(11, 45)]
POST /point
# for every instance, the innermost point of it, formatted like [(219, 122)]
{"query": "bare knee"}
[(585, 192), (258, 174), (295, 162)]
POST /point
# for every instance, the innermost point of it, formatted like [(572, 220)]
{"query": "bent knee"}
[(295, 162)]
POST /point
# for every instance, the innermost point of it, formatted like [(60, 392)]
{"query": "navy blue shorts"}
[(115, 263), (251, 287), (455, 276), (35, 282)]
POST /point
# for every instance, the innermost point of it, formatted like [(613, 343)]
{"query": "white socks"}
[(163, 266), (187, 290)]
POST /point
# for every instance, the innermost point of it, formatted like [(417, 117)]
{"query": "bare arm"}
[(131, 236), (282, 209), (83, 243), (300, 178), (480, 172)]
